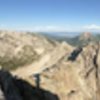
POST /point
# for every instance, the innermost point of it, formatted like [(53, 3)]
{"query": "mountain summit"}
[(86, 36)]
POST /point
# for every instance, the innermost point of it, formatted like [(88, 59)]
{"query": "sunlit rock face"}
[(22, 48), (75, 80)]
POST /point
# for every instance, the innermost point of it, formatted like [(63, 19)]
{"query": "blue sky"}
[(50, 15)]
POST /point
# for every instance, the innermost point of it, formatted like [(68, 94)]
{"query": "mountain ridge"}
[(77, 40), (22, 48), (73, 72)]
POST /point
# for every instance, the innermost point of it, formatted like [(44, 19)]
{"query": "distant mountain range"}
[(80, 39)]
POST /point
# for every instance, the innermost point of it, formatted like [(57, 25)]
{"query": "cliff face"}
[(77, 79)]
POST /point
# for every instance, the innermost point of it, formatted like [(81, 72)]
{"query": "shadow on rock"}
[(75, 54), (18, 89)]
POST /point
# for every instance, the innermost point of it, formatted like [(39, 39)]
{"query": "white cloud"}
[(50, 28), (47, 28), (92, 27), (54, 28)]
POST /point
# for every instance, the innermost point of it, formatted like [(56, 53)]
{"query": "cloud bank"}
[(50, 28), (92, 27)]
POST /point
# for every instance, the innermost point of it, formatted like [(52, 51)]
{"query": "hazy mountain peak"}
[(85, 36)]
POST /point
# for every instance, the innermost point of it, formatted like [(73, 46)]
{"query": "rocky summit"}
[(58, 71)]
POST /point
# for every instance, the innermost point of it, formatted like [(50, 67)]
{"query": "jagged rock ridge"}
[(78, 79)]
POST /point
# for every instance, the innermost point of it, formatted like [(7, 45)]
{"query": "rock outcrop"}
[(12, 88), (75, 80)]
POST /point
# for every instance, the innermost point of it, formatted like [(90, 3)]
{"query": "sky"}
[(50, 15)]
